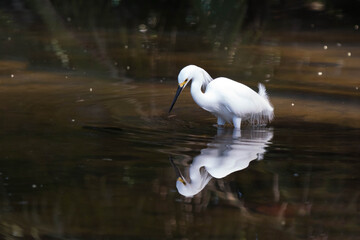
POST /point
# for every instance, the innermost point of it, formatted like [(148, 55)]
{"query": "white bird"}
[(228, 153), (228, 100)]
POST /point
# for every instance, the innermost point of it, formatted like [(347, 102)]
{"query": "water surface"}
[(88, 149)]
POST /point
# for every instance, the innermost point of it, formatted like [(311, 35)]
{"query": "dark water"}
[(88, 150)]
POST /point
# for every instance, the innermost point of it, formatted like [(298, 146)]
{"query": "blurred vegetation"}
[(122, 36), (198, 15)]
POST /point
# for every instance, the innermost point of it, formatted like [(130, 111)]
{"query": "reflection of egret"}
[(228, 153), (228, 100)]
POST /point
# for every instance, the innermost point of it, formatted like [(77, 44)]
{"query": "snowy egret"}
[(228, 153), (228, 100)]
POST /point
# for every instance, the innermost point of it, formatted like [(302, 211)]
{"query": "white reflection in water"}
[(228, 153)]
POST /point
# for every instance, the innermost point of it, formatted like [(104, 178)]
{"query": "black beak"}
[(177, 171), (179, 89)]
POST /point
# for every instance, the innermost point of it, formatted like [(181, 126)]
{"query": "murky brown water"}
[(86, 142)]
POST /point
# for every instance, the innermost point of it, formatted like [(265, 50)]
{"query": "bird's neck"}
[(194, 172), (198, 87), (199, 177)]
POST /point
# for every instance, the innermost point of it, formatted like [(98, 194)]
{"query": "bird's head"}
[(184, 77), (182, 180)]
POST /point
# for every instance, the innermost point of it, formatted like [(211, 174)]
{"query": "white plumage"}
[(226, 154), (228, 100)]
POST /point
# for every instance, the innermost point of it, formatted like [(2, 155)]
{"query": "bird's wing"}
[(235, 97)]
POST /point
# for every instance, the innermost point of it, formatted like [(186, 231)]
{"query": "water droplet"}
[(292, 104), (127, 67), (325, 47), (73, 120), (34, 186), (320, 73), (349, 54), (143, 28), (12, 76), (90, 89)]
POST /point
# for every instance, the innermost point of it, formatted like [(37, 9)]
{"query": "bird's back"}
[(233, 98)]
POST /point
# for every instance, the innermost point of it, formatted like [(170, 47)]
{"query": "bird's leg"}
[(236, 133), (220, 121), (237, 122), (220, 131)]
